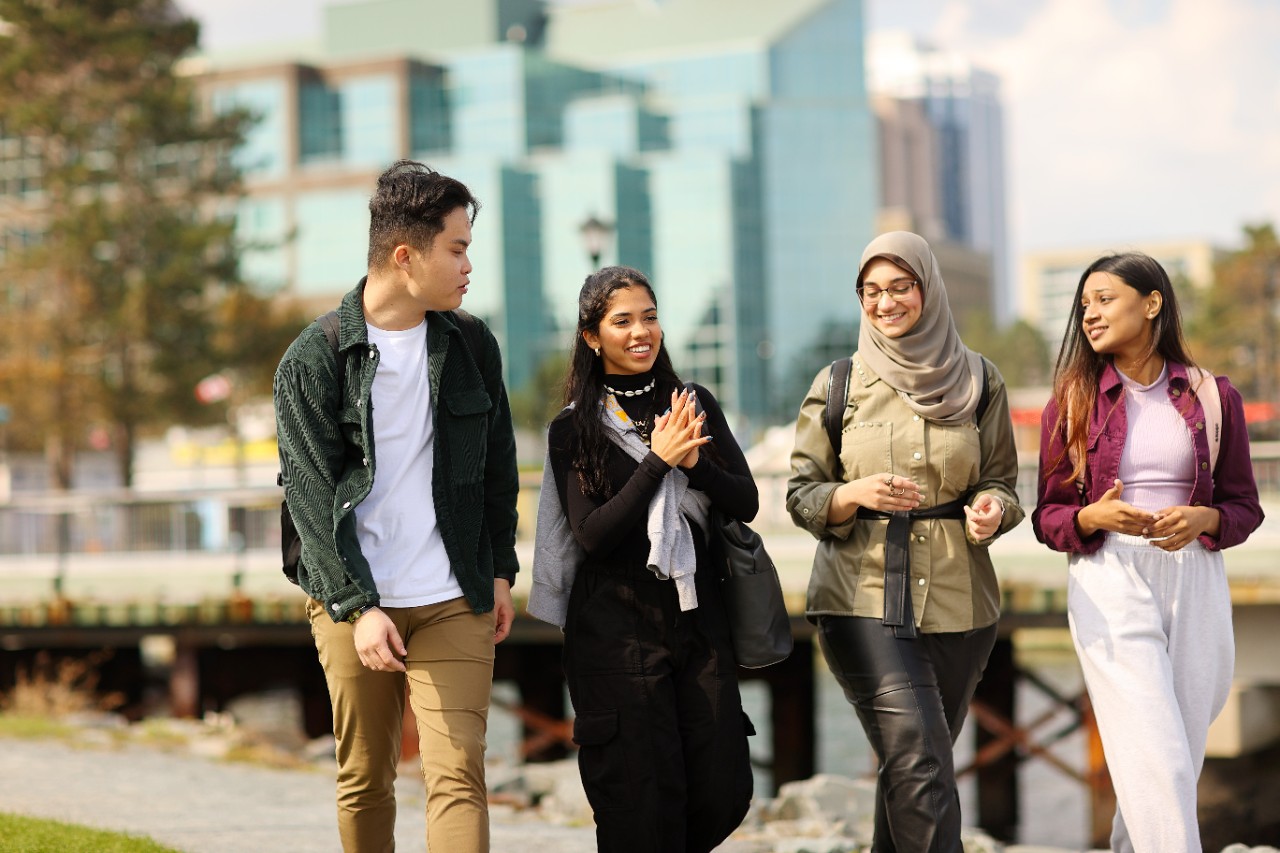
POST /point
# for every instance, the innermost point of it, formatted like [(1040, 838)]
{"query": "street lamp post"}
[(595, 233)]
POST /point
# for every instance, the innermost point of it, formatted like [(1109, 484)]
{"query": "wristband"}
[(358, 612)]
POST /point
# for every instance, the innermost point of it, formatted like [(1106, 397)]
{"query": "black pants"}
[(912, 696), (659, 721)]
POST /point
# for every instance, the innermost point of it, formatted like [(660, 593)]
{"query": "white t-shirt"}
[(396, 523)]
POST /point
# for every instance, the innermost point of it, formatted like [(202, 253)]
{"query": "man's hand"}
[(504, 611), (378, 642)]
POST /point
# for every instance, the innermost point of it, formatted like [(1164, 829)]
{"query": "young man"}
[(401, 479)]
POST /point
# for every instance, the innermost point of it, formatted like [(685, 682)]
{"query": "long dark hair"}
[(1079, 369), (584, 385)]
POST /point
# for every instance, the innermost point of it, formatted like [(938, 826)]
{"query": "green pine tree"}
[(117, 233)]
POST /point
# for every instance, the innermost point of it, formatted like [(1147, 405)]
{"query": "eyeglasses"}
[(870, 294)]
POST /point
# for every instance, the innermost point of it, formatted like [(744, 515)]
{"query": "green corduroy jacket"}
[(328, 459)]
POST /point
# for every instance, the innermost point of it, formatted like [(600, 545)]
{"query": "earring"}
[(596, 350)]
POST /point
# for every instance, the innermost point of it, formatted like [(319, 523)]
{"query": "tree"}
[(1233, 328), (1019, 350), (541, 398), (125, 290)]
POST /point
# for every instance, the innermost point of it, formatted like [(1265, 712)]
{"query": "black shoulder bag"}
[(758, 618)]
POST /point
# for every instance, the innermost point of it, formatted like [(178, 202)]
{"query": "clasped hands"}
[(677, 433), (1171, 528)]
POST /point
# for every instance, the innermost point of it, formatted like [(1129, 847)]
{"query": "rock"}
[(827, 799), (322, 750), (977, 841), (556, 789), (274, 714), (100, 720)]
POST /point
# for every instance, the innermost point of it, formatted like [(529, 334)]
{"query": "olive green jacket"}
[(953, 584), (325, 430)]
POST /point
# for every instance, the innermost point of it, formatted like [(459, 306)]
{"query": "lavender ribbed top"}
[(1157, 465)]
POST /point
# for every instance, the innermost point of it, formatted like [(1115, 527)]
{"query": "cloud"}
[(1125, 126)]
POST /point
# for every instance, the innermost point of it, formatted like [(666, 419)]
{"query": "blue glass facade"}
[(739, 174), (265, 150), (331, 246)]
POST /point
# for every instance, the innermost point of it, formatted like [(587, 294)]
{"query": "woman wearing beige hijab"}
[(921, 482)]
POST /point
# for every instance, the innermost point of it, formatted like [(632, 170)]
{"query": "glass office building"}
[(729, 144)]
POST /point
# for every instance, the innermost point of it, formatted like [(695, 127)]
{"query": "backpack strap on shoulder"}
[(1205, 387), (837, 401), (985, 399), (329, 323)]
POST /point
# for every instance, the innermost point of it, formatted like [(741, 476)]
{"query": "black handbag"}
[(752, 595)]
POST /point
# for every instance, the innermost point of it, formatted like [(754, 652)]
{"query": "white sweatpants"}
[(1153, 633)]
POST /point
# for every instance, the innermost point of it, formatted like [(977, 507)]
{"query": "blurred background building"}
[(1050, 278), (941, 128), (727, 149)]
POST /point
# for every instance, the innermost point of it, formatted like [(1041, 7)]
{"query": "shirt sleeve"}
[(813, 468), (998, 467), (722, 472), (1058, 501), (311, 458), (501, 474)]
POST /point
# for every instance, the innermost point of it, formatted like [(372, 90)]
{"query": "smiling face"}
[(1118, 319), (892, 314), (629, 335)]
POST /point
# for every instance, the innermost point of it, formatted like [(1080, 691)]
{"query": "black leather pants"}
[(911, 695)]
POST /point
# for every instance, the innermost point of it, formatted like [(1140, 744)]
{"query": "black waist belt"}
[(897, 560)]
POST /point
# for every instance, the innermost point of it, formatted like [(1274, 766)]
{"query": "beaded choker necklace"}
[(637, 393)]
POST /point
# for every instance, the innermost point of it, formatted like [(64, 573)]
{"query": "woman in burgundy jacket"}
[(1144, 478)]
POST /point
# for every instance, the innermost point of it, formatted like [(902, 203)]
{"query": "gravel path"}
[(202, 806)]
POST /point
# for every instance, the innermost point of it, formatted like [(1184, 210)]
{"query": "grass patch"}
[(33, 728), (34, 835)]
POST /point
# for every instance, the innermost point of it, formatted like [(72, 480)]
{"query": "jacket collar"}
[(1109, 384), (352, 330)]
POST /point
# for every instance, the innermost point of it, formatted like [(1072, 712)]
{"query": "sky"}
[(1126, 120)]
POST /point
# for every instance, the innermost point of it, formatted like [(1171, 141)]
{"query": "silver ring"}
[(888, 481)]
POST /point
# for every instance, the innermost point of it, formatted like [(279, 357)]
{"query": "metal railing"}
[(239, 520)]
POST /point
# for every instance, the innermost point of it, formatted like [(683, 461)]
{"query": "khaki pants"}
[(450, 672)]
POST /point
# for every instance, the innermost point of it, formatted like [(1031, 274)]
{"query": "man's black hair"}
[(410, 206)]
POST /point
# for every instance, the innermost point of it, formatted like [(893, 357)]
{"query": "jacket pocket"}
[(962, 461), (466, 436), (602, 759), (867, 449), (350, 424), (595, 728), (474, 401)]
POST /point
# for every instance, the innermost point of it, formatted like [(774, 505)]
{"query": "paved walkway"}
[(202, 806)]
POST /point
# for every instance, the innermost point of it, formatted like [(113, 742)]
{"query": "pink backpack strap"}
[(1205, 387)]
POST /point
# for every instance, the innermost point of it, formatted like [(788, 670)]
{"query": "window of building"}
[(263, 153)]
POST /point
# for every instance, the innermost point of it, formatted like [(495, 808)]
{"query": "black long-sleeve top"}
[(613, 531)]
